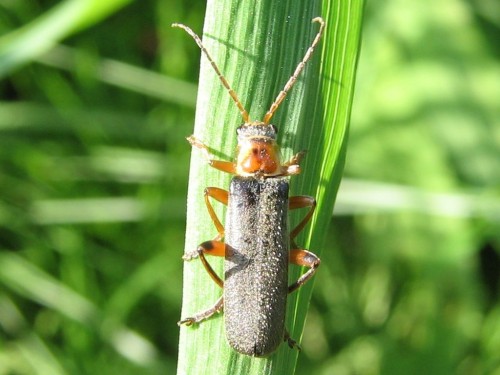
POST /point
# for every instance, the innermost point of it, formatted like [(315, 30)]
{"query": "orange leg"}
[(224, 166), (292, 167), (301, 201), (295, 159), (216, 248), (219, 195), (302, 257)]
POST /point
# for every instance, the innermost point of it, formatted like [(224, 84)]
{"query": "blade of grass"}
[(32, 283), (35, 38), (257, 46), (126, 76), (362, 196)]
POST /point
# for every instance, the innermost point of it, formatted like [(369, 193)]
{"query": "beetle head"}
[(257, 153)]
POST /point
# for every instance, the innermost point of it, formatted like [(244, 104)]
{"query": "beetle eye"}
[(275, 129), (238, 129)]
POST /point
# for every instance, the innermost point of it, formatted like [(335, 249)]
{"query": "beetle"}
[(256, 242)]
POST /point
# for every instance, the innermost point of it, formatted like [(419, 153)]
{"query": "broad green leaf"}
[(35, 38), (257, 46)]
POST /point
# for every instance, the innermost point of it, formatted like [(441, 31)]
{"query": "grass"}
[(314, 117), (38, 36), (94, 174)]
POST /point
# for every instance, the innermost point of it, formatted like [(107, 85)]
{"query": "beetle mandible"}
[(257, 243)]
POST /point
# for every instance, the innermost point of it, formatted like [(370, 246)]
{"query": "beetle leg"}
[(202, 315), (224, 166), (219, 195), (215, 248), (301, 201), (302, 257), (291, 342), (295, 159), (292, 167)]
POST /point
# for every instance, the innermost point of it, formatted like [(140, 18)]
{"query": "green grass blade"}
[(27, 42), (127, 76), (34, 284), (257, 47)]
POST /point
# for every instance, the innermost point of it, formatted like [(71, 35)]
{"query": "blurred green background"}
[(93, 175)]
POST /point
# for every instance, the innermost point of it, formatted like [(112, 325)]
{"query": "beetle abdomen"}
[(256, 265)]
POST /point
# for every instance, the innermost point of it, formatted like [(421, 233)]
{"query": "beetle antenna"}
[(291, 81), (197, 39)]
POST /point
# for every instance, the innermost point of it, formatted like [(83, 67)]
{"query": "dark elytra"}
[(256, 265)]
